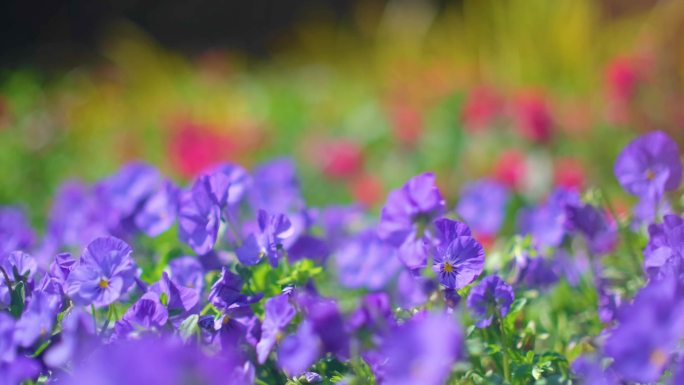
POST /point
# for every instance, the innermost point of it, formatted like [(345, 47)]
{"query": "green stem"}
[(92, 310), (504, 344), (110, 313)]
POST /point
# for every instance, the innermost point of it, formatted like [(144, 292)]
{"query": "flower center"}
[(650, 175), (658, 357), (104, 283), (448, 268)]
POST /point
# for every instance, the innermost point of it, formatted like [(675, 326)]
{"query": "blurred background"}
[(362, 94)]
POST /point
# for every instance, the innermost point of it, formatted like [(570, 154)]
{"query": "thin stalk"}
[(92, 310), (504, 343)]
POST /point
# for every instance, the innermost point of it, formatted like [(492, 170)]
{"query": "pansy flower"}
[(104, 273), (598, 228), (459, 262), (366, 262), (159, 211), (407, 215), (267, 241), (642, 343), (278, 314), (298, 351), (422, 351), (15, 232), (492, 297), (483, 206), (649, 165), (198, 217)]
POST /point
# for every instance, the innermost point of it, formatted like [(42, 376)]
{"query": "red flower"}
[(367, 189), (569, 173), (407, 122), (510, 168), (341, 159), (480, 109), (622, 77), (193, 148), (532, 116)]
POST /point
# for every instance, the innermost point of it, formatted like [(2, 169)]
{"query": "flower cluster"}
[(234, 279)]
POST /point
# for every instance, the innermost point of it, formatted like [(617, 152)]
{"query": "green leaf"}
[(189, 327), (17, 299)]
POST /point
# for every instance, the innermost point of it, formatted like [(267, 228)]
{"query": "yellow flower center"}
[(658, 357), (650, 175), (225, 320), (448, 268), (104, 283)]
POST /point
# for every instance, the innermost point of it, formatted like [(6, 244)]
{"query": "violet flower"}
[(492, 297), (649, 165), (104, 273), (406, 216)]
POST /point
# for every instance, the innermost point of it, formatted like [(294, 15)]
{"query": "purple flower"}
[(678, 377), (8, 347), (37, 320), (649, 210), (148, 313), (649, 165), (546, 222), (275, 187), (126, 190), (665, 249), (228, 184), (15, 232), (179, 300), (609, 303), (188, 272), (160, 362), (225, 293), (459, 263), (198, 217), (297, 352), (312, 377), (483, 205), (490, 297), (535, 272), (15, 262), (407, 214), (590, 372), (76, 340), (598, 229), (422, 350), (19, 370), (267, 241), (159, 211), (373, 315), (238, 326), (412, 290), (76, 217), (647, 332), (340, 222), (328, 323), (104, 273), (278, 314), (366, 262), (19, 262)]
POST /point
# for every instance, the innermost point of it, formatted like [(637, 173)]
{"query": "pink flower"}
[(481, 108), (532, 116)]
